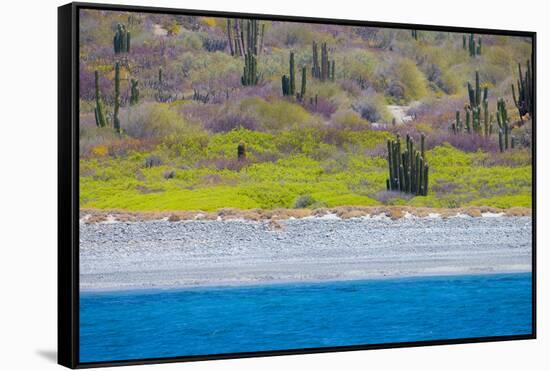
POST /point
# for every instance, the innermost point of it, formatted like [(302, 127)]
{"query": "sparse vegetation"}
[(207, 114)]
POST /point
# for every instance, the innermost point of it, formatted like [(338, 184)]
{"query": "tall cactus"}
[(251, 44), (473, 49), (292, 74), (456, 126), (234, 37), (478, 50), (116, 121), (324, 62), (315, 68), (486, 118), (134, 92), (288, 83), (503, 124), (230, 37), (478, 119), (99, 116), (121, 40), (524, 99), (245, 36), (408, 170), (325, 69), (303, 85), (285, 84), (250, 75)]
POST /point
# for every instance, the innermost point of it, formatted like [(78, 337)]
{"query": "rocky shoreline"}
[(117, 255), (89, 216)]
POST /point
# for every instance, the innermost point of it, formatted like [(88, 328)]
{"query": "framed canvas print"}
[(236, 185)]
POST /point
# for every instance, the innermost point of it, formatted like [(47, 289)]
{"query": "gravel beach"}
[(164, 254)]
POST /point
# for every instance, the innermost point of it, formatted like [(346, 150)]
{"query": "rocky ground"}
[(148, 254)]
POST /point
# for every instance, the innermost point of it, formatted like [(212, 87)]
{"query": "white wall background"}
[(28, 156)]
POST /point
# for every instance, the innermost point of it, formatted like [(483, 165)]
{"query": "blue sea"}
[(141, 324)]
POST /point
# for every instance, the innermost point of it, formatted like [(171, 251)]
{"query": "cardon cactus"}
[(250, 75), (477, 118), (478, 49), (292, 74), (251, 44), (472, 48), (288, 83), (241, 152), (230, 37), (116, 120), (134, 92), (524, 99), (325, 70), (408, 170), (245, 36), (121, 40), (457, 125), (303, 85), (98, 111), (503, 124), (285, 84)]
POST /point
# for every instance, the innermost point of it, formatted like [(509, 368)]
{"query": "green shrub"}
[(152, 120), (412, 78), (373, 108), (304, 202), (276, 115)]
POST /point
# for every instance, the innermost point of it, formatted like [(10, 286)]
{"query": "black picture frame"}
[(68, 184)]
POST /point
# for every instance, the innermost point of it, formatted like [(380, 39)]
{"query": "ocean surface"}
[(141, 324)]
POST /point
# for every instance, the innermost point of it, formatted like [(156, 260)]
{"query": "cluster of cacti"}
[(473, 109), (285, 84), (408, 170), (289, 82), (288, 89), (473, 49), (249, 45), (99, 116), (250, 71), (477, 117), (524, 100), (313, 100), (134, 92), (161, 95), (414, 34), (503, 125), (245, 36), (241, 152), (116, 120), (198, 96), (214, 45), (325, 69), (121, 40)]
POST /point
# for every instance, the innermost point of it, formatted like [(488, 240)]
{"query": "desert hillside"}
[(200, 113)]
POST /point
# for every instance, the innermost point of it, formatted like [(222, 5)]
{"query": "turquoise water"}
[(199, 321)]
